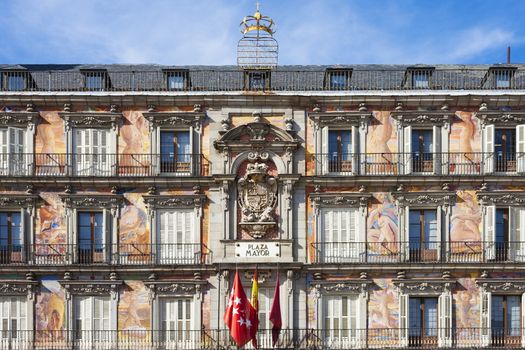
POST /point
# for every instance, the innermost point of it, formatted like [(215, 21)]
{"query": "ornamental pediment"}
[(175, 287), (91, 119), (424, 285), (336, 118), (357, 199), (501, 117), (21, 119), (18, 200), (349, 286), (422, 199), (422, 118), (92, 200), (502, 285), (507, 198), (91, 287), (18, 287), (174, 201), (174, 119)]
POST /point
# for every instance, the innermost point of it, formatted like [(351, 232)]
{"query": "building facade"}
[(389, 201)]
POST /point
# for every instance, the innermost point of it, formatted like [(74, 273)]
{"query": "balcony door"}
[(13, 314), (91, 156), (12, 145), (92, 320), (339, 241), (340, 151), (175, 152), (424, 237), (91, 240), (10, 237), (423, 321), (340, 321), (505, 150), (176, 244), (176, 323), (422, 151), (506, 320)]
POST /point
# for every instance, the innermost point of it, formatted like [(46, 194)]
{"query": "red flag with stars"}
[(240, 316)]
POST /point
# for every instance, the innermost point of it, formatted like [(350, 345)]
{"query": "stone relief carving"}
[(422, 118), (98, 119), (501, 197), (184, 119), (87, 200), (170, 201), (322, 119), (27, 119), (501, 118), (257, 198), (501, 285), (424, 198), (431, 286), (18, 201)]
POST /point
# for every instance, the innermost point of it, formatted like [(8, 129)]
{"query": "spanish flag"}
[(255, 305)]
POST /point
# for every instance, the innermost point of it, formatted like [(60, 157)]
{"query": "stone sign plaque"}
[(257, 250)]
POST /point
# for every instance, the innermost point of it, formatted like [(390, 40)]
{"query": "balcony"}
[(354, 78), (408, 252), (105, 254), (102, 165), (312, 339), (449, 164)]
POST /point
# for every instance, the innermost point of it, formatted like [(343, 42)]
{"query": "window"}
[(91, 237), (10, 237), (340, 150), (96, 80), (506, 319), (175, 152), (420, 78), (422, 321), (337, 79), (13, 316), (176, 320), (91, 156), (176, 80), (13, 159), (176, 237), (14, 81), (341, 318), (424, 237), (499, 77), (422, 151), (340, 235), (505, 150), (91, 318), (257, 80)]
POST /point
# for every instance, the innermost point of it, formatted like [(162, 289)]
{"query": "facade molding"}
[(424, 286), (92, 201), (340, 200), (183, 120), (502, 285), (20, 119), (501, 118), (17, 201), (425, 199), (423, 118), (507, 198), (347, 286), (91, 287), (175, 287), (111, 120), (340, 119)]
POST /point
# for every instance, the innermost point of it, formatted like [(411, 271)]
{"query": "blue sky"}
[(180, 32)]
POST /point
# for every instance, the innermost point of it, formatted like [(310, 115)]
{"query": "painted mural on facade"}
[(50, 307), (134, 310), (382, 225)]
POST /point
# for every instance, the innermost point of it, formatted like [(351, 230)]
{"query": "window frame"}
[(88, 74), (265, 76), (330, 73), (182, 73)]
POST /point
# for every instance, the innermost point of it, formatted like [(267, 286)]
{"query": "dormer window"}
[(176, 79), (16, 81), (96, 80), (257, 80), (337, 79), (418, 78), (502, 77)]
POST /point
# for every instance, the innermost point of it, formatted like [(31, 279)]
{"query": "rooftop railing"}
[(312, 339), (282, 79)]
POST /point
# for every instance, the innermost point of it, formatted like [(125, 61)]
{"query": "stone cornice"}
[(502, 285), (422, 118), (422, 199), (174, 119), (508, 198), (92, 200), (334, 119), (24, 119), (339, 199), (501, 117), (17, 201), (91, 119), (424, 285)]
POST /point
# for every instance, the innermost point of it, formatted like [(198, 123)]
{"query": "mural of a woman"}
[(466, 219), (50, 309), (382, 226), (380, 145)]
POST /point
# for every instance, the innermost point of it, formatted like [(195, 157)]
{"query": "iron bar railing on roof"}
[(283, 79)]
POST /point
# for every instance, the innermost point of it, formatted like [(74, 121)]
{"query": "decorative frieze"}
[(419, 199), (507, 198), (175, 119), (424, 286), (20, 119), (357, 199), (19, 287), (154, 202), (502, 118), (175, 287), (347, 286), (422, 118), (17, 201), (502, 285), (91, 119), (91, 287), (336, 119), (92, 200)]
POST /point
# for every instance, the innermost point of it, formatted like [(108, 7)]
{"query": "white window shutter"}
[(519, 235), (488, 149), (355, 150), (403, 319), (404, 249), (522, 319), (325, 157), (407, 149), (445, 319), (485, 312), (436, 149), (4, 146), (106, 235), (489, 228), (439, 233), (352, 238), (520, 148)]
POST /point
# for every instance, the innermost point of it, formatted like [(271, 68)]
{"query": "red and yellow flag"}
[(255, 305)]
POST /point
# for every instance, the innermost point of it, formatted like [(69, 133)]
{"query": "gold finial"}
[(257, 22)]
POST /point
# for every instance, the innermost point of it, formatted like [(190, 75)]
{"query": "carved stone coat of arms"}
[(257, 198)]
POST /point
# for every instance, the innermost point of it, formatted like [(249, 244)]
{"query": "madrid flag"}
[(240, 317), (275, 313)]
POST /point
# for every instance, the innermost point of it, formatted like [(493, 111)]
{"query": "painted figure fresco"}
[(134, 310), (50, 309), (382, 226), (383, 309)]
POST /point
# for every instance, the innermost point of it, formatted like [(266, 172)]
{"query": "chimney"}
[(508, 54)]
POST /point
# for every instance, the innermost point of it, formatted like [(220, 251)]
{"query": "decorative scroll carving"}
[(440, 118), (352, 286), (18, 287), (180, 119), (257, 198), (424, 198), (424, 286), (91, 200), (91, 287), (500, 117), (18, 201), (175, 287), (322, 119), (340, 199), (501, 198), (23, 119), (502, 285), (91, 119), (154, 202)]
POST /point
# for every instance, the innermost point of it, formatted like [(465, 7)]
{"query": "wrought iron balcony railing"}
[(410, 252), (311, 339), (102, 164), (105, 254), (415, 163), (282, 79)]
